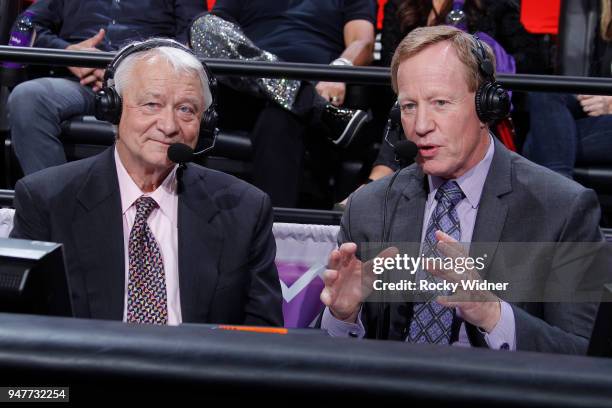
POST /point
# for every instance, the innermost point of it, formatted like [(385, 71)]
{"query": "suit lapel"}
[(406, 207), (493, 209), (98, 231), (200, 243), (406, 211)]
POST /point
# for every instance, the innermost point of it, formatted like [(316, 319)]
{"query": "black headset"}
[(492, 104), (492, 100), (108, 103)]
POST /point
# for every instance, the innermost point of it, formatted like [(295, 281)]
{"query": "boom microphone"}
[(180, 153), (405, 152)]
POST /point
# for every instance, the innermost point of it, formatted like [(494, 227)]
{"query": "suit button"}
[(505, 346)]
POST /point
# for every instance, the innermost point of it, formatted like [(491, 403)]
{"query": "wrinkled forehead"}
[(153, 73), (434, 68), (154, 70)]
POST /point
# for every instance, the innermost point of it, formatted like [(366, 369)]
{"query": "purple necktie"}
[(431, 322), (147, 299)]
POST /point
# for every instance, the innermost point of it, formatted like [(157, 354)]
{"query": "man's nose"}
[(423, 121), (167, 122)]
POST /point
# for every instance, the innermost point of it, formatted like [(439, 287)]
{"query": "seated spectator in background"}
[(495, 22), (310, 31), (500, 19), (38, 107), (566, 129), (144, 240), (466, 187)]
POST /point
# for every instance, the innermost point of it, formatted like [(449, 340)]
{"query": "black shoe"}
[(343, 124)]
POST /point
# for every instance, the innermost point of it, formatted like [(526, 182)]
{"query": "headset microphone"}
[(405, 152), (181, 153)]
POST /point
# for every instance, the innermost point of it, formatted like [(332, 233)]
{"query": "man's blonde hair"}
[(464, 45)]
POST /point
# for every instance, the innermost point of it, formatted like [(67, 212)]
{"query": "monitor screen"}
[(33, 278)]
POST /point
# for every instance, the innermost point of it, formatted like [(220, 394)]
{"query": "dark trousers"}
[(562, 135), (277, 136)]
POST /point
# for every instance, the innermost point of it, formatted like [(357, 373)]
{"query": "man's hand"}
[(480, 308), (596, 105), (334, 92), (93, 77), (348, 281), (378, 171), (342, 204)]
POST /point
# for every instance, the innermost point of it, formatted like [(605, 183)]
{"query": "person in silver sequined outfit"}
[(292, 106)]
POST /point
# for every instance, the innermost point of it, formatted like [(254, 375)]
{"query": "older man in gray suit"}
[(464, 187)]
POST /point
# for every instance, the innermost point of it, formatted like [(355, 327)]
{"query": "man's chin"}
[(158, 160), (433, 168)]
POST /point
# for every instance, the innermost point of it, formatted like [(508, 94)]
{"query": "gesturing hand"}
[(478, 307), (348, 281), (89, 76)]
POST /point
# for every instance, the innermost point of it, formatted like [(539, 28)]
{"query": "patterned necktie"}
[(431, 322), (146, 298)]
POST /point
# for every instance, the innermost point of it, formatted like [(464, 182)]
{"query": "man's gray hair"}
[(180, 60)]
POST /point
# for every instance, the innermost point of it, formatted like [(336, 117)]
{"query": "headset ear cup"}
[(492, 102), (480, 103), (101, 103), (500, 102), (208, 127), (117, 107), (108, 105), (209, 121)]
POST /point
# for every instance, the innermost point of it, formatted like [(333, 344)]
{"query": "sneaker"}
[(343, 124)]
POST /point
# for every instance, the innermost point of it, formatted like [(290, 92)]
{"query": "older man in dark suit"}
[(146, 241), (464, 187)]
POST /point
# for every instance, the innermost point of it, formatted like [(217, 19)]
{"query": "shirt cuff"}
[(59, 43), (339, 328), (503, 335)]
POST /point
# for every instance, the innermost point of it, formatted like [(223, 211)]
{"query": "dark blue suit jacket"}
[(225, 244)]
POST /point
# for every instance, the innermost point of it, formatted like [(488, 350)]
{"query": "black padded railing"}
[(358, 75), (104, 360)]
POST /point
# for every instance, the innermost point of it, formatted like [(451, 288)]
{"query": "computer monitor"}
[(33, 278), (601, 339)]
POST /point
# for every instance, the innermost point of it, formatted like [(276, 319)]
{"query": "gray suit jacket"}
[(226, 249), (521, 202)]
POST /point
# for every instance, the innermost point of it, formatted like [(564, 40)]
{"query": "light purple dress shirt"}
[(503, 335)]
